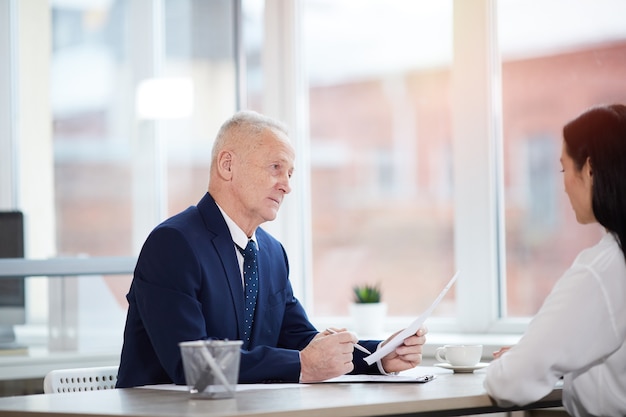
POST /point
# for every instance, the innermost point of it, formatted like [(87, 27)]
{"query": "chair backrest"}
[(80, 379)]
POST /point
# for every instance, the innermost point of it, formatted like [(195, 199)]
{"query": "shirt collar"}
[(239, 237)]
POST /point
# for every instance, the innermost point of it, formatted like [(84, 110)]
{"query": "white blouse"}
[(578, 334)]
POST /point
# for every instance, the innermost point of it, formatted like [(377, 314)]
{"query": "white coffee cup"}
[(459, 355)]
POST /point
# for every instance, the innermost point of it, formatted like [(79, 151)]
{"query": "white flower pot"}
[(368, 319)]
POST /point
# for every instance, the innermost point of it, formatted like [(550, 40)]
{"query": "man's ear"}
[(224, 164)]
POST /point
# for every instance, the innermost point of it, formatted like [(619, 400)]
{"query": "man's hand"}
[(406, 356), (327, 356)]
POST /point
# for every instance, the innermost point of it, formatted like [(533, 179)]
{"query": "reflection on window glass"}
[(380, 151), (550, 74), (90, 128), (199, 48), (123, 163)]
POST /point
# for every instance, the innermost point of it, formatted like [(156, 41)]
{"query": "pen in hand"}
[(356, 345)]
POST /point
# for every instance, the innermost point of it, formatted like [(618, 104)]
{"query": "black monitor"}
[(12, 289)]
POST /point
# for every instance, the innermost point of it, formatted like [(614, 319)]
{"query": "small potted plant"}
[(367, 310), (366, 294)]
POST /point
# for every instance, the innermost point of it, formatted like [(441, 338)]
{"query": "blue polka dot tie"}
[(251, 288)]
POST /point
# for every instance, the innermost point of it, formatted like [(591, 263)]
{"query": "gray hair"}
[(244, 124)]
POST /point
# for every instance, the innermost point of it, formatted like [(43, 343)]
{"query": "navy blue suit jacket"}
[(187, 286)]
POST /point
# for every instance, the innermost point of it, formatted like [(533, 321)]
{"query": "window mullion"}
[(286, 98), (474, 77)]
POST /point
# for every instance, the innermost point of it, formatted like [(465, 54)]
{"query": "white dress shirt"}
[(240, 239), (578, 334)]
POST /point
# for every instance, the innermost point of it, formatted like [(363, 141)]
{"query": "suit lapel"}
[(226, 251), (224, 246)]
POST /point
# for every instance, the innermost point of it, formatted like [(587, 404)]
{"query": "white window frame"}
[(477, 153)]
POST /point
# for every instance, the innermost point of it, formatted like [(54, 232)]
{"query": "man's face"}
[(261, 177)]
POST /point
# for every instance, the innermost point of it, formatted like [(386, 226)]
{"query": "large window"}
[(427, 135), (118, 105), (381, 162), (381, 119), (550, 74), (135, 105)]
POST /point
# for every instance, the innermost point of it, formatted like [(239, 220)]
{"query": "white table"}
[(448, 395)]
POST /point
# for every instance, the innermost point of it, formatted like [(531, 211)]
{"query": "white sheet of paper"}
[(411, 329), (371, 378)]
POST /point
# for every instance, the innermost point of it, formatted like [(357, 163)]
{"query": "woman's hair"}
[(600, 135)]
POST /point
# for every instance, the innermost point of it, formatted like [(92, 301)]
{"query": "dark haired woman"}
[(579, 334)]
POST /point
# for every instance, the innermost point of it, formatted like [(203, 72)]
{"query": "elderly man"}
[(212, 272)]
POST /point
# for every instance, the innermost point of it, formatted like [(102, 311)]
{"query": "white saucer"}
[(462, 369)]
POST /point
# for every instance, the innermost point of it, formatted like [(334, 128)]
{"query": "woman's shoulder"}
[(605, 253), (601, 266)]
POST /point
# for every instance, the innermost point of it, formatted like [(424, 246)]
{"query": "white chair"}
[(80, 379)]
